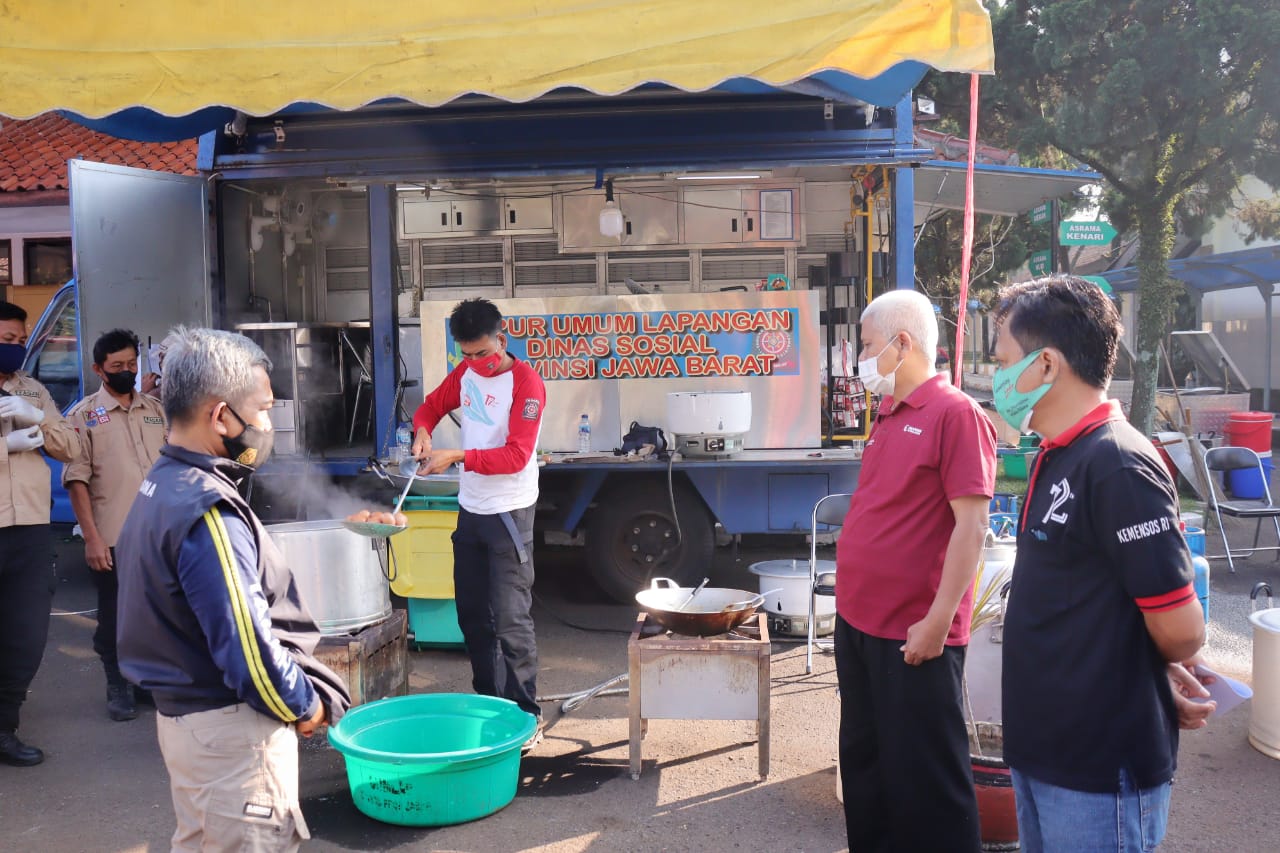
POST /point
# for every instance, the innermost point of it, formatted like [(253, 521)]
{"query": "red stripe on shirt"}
[(1167, 601)]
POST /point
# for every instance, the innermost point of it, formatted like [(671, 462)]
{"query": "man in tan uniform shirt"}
[(29, 421), (121, 433)]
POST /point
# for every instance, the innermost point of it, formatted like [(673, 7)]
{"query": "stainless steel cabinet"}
[(445, 213), (650, 218), (714, 216), (476, 214), (526, 214), (420, 217)]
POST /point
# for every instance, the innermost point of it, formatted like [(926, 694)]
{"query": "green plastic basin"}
[(432, 759)]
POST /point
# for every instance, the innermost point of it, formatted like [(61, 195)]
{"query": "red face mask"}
[(487, 366)]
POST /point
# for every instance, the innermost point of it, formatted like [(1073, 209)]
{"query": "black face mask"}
[(251, 447), (11, 356), (122, 382)]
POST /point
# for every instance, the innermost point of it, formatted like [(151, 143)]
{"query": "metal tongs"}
[(693, 594), (376, 529)]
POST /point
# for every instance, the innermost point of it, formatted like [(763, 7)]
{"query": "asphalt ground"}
[(103, 785)]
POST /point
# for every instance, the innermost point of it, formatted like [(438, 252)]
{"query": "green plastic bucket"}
[(432, 759), (1018, 463)]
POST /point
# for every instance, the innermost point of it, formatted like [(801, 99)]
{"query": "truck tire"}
[(631, 537)]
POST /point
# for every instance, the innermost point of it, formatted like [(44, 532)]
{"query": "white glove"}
[(25, 439), (23, 413)]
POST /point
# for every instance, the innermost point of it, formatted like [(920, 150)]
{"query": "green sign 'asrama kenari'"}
[(1085, 233)]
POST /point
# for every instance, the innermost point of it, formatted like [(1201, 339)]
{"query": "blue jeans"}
[(1052, 819)]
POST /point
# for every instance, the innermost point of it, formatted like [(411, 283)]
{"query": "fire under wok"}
[(709, 611)]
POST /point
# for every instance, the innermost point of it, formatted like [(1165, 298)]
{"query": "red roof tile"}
[(34, 152)]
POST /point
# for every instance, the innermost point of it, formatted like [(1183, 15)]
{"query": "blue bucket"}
[(1247, 483), (1195, 540), (1201, 583), (1004, 502), (1003, 523)]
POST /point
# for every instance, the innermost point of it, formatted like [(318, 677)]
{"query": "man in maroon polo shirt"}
[(905, 564)]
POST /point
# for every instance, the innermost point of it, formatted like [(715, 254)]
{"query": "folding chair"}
[(829, 512), (1224, 460), (364, 381)]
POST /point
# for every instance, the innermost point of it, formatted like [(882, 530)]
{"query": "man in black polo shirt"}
[(1102, 607)]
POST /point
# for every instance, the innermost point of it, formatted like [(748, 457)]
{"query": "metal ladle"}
[(753, 601), (376, 529)]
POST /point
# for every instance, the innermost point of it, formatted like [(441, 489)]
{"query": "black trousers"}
[(26, 595), (904, 752), (104, 636), (494, 591)]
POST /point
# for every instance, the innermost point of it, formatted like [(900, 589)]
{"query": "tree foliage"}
[(1172, 101), (1000, 245)]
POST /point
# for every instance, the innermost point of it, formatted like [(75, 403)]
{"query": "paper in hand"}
[(1227, 692)]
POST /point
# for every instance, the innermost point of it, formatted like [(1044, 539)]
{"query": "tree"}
[(1000, 245), (1171, 101)]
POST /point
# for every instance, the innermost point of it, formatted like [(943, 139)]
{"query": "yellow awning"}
[(175, 57)]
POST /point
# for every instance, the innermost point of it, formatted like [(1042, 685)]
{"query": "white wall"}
[(17, 223), (1227, 234), (1237, 316)]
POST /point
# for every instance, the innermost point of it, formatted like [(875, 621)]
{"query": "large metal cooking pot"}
[(713, 610), (339, 573)]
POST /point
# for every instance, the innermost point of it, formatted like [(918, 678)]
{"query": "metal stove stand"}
[(674, 677)]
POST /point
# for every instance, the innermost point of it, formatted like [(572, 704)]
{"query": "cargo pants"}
[(233, 776), (493, 585)]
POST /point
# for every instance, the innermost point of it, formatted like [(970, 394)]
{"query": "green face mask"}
[(1013, 405)]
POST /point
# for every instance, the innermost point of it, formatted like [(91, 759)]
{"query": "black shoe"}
[(17, 753), (143, 697), (120, 705)]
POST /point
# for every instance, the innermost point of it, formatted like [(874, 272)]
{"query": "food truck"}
[(671, 247)]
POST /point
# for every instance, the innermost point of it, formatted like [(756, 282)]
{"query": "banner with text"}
[(701, 343)]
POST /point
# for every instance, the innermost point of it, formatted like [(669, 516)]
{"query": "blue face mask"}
[(11, 356), (1013, 405)]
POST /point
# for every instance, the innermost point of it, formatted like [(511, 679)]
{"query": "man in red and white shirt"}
[(501, 400)]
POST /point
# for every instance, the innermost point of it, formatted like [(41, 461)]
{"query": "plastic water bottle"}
[(584, 435), (404, 442)]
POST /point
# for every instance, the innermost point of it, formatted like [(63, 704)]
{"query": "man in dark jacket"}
[(209, 615)]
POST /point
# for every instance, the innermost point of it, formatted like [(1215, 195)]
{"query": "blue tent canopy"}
[(1258, 267), (1203, 274)]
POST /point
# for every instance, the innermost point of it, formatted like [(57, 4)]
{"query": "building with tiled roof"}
[(35, 219)]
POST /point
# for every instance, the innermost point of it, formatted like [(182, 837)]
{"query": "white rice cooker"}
[(786, 603), (708, 423)]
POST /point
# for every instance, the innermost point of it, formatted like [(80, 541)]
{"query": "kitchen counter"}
[(745, 458)]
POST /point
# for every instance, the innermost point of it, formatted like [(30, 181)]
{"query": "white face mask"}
[(871, 377)]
